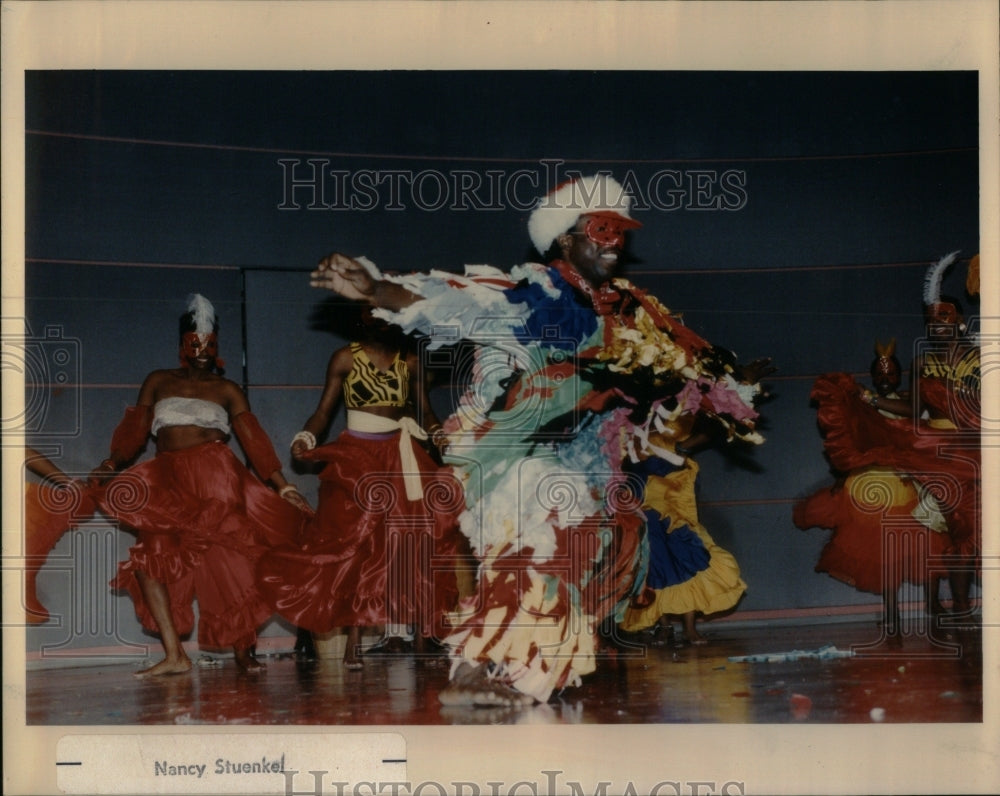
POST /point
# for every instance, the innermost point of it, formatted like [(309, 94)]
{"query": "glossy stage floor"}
[(830, 673)]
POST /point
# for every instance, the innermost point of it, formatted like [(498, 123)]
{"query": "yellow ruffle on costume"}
[(715, 589)]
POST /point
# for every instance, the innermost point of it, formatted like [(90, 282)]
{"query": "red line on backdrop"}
[(470, 158)]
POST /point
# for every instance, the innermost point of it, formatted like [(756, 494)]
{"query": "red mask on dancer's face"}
[(885, 376), (608, 229), (943, 319), (195, 345), (944, 313)]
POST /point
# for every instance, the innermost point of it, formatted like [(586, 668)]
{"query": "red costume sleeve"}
[(131, 434), (256, 444)]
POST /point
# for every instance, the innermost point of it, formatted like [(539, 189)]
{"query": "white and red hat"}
[(599, 196)]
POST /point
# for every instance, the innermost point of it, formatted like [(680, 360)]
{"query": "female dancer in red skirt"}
[(886, 527), (202, 518), (385, 513)]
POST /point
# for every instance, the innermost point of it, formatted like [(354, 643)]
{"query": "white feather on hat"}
[(934, 277), (559, 210), (202, 313)]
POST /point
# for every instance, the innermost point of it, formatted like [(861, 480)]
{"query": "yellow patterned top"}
[(366, 385)]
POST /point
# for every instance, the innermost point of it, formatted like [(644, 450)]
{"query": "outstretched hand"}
[(344, 276), (753, 372)]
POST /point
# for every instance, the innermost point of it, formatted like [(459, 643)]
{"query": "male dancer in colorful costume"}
[(571, 367)]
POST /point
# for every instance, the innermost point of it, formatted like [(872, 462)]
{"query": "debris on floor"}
[(823, 653)]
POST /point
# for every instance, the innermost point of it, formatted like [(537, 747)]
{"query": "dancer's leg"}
[(158, 601)]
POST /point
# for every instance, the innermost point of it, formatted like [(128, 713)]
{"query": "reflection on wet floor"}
[(671, 683)]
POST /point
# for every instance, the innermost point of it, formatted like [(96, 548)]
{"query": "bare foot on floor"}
[(694, 638), (473, 687), (353, 663), (247, 663), (691, 634), (165, 667)]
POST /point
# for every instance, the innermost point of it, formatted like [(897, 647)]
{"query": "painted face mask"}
[(608, 229), (194, 345), (885, 375), (943, 312)]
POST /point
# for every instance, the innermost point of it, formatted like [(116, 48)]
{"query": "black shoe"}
[(393, 645), (662, 636), (305, 648), (432, 649)]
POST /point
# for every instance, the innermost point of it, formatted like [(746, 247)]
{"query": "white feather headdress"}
[(202, 313), (558, 210), (934, 277)]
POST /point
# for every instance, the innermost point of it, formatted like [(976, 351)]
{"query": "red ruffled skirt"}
[(202, 520), (370, 555), (945, 462), (48, 513), (877, 542)]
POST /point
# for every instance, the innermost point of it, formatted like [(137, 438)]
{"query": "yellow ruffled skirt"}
[(715, 589)]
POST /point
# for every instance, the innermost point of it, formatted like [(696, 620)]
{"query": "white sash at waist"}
[(367, 423)]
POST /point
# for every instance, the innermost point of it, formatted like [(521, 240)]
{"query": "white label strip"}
[(280, 764)]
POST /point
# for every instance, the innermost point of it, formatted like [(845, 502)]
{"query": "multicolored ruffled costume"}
[(563, 378), (378, 550), (886, 524)]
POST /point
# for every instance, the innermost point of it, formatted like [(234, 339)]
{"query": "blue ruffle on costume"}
[(675, 556), (559, 322), (688, 571)]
